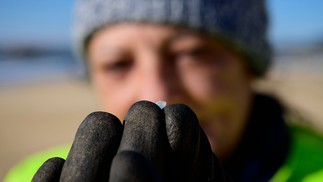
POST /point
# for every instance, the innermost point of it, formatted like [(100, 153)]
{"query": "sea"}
[(34, 69), (19, 70)]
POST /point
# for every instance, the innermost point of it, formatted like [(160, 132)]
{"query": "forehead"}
[(134, 31), (154, 35)]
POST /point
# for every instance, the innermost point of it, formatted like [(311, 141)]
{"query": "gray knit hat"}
[(241, 23)]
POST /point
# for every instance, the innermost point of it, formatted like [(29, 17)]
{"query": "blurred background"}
[(43, 96)]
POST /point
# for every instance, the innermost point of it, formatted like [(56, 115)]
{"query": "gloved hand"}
[(152, 145)]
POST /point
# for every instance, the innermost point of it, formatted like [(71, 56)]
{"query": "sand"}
[(42, 115), (38, 116)]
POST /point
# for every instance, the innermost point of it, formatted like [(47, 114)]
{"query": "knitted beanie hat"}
[(241, 23)]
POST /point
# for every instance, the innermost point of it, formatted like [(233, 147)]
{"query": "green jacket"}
[(304, 161)]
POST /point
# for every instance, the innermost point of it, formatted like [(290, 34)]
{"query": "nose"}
[(159, 81)]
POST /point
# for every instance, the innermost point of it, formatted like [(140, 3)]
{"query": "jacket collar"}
[(264, 145)]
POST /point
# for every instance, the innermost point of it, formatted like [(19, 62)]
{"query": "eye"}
[(196, 55), (193, 53), (117, 66)]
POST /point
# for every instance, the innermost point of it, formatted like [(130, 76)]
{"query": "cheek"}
[(213, 82), (203, 83), (215, 90), (238, 77)]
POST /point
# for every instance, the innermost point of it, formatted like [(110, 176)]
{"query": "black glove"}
[(153, 145)]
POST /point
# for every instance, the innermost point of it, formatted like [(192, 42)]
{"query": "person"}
[(205, 54)]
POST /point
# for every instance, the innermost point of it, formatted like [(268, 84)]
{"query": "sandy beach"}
[(42, 115), (39, 116)]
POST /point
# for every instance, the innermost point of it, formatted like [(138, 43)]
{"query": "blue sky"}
[(50, 21), (296, 20), (35, 20)]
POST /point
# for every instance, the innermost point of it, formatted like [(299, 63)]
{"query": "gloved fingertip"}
[(95, 144), (183, 130), (50, 171), (101, 120), (145, 133), (142, 108)]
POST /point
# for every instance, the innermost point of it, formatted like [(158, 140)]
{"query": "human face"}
[(132, 62)]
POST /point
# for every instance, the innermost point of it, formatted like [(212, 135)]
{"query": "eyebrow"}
[(184, 33), (112, 50), (177, 37)]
